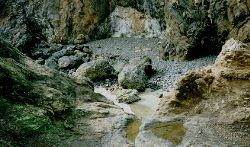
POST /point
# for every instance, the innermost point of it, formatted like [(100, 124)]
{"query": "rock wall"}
[(200, 27), (221, 90), (25, 23), (128, 22)]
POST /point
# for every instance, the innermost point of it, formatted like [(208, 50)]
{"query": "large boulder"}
[(192, 26), (135, 74), (96, 70), (40, 107), (220, 93), (68, 61)]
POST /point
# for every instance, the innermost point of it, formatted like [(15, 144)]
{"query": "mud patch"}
[(173, 132), (148, 104), (132, 129)]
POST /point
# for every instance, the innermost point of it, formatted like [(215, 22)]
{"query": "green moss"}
[(3, 106), (15, 81), (7, 51), (28, 119)]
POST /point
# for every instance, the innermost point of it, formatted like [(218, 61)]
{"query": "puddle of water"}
[(145, 107), (173, 132), (132, 129), (141, 110), (148, 103)]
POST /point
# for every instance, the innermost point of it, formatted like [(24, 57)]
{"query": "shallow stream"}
[(143, 108), (146, 108)]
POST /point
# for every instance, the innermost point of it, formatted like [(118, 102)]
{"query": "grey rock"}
[(118, 66), (84, 48), (83, 81), (85, 57), (96, 70), (193, 26), (51, 63), (40, 61), (135, 74), (68, 61), (63, 52)]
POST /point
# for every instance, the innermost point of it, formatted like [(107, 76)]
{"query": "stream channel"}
[(145, 109)]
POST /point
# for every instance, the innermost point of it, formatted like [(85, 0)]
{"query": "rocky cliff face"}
[(128, 22), (200, 27), (219, 93), (40, 107), (60, 21), (26, 23)]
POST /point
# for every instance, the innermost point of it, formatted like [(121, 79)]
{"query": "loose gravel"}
[(167, 73)]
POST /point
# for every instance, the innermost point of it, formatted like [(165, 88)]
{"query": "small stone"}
[(68, 61), (127, 95), (40, 61)]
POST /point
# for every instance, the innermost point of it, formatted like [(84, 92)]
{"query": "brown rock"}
[(218, 90), (59, 21), (80, 39), (192, 26)]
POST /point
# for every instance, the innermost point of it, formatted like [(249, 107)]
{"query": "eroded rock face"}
[(128, 22), (227, 79), (27, 22), (40, 107), (196, 28), (220, 92)]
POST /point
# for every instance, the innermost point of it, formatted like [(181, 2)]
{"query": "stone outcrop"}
[(40, 107), (196, 28), (220, 92)]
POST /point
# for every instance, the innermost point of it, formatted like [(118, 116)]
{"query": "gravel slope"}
[(167, 72)]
